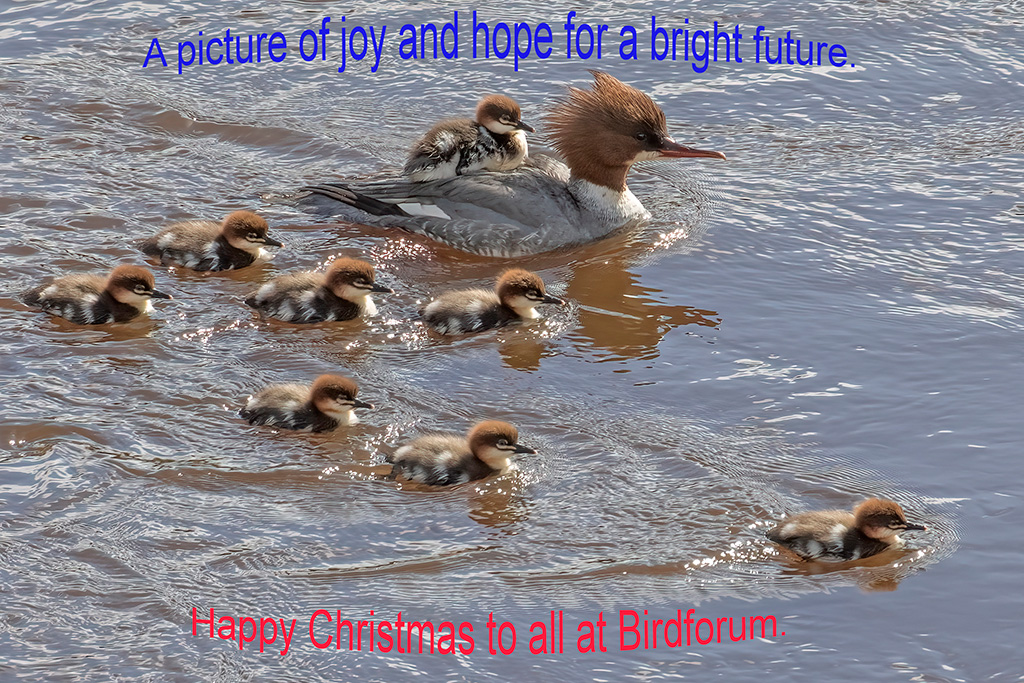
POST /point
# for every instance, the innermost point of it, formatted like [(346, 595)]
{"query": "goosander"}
[(444, 459), (474, 310), (495, 141), (122, 295), (236, 242), (326, 405), (838, 535), (542, 205), (342, 293)]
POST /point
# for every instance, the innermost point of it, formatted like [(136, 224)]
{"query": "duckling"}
[(236, 242), (326, 405), (342, 293), (517, 292), (495, 141), (122, 295), (443, 459), (838, 536)]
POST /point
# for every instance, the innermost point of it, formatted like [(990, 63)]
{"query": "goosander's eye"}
[(141, 289), (503, 442), (642, 137), (252, 237)]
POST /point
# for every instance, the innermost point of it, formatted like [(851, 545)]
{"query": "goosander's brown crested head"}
[(501, 114), (882, 519), (521, 290), (247, 231), (603, 131), (353, 279), (495, 442), (133, 285), (336, 396)]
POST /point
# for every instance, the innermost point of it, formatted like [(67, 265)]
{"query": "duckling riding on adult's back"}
[(542, 205)]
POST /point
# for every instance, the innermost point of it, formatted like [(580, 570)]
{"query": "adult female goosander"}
[(342, 293), (122, 295), (236, 242), (838, 535), (327, 405), (542, 205), (475, 310), (443, 459), (495, 141)]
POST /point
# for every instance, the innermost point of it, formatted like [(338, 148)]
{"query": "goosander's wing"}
[(525, 211)]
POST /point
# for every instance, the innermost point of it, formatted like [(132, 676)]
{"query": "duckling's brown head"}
[(521, 290), (353, 279), (247, 231), (335, 395), (882, 519), (495, 442), (133, 285), (501, 114)]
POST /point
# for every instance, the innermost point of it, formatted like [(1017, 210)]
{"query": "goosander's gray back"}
[(530, 210)]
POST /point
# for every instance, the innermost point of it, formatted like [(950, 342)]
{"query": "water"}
[(832, 314)]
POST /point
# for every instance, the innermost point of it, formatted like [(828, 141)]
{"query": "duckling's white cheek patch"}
[(426, 210), (149, 306)]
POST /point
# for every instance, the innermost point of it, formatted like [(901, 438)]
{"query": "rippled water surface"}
[(832, 314)]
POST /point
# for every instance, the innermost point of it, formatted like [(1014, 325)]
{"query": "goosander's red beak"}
[(670, 148)]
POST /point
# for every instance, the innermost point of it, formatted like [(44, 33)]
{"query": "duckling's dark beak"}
[(356, 403), (915, 527), (523, 125), (382, 289), (156, 294), (670, 148), (520, 448), (552, 300), (271, 242)]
